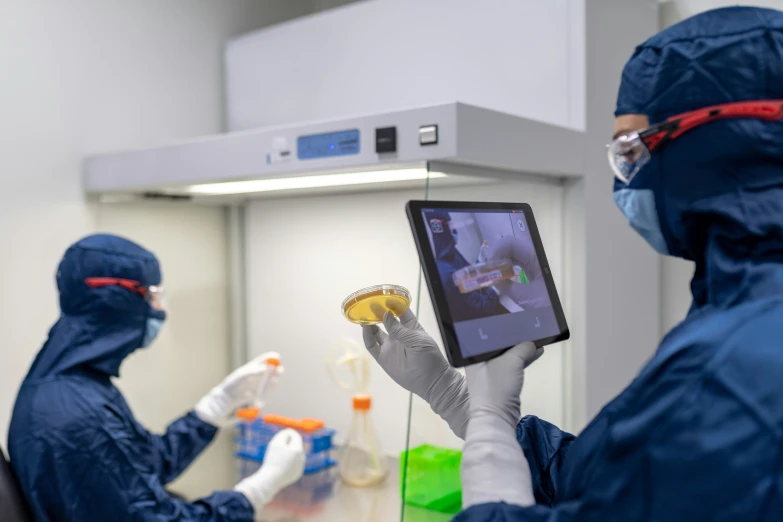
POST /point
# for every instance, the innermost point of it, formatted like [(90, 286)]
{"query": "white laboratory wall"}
[(523, 57), (305, 255), (676, 275), (620, 327), (86, 76)]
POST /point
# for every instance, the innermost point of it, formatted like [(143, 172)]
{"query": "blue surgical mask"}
[(154, 325), (638, 206)]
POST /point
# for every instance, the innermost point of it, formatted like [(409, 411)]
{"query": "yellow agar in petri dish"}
[(369, 305)]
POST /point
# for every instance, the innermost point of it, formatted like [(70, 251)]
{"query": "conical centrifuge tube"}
[(267, 383)]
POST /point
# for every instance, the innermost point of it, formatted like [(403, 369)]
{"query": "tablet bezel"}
[(415, 209)]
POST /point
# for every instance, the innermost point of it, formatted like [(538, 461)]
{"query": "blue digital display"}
[(328, 145)]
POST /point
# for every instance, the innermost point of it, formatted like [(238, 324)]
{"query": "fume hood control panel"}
[(351, 142), (328, 144), (347, 143), (272, 157)]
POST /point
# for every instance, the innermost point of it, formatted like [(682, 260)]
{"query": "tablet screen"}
[(492, 278)]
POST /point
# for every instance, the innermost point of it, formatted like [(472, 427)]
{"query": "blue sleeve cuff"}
[(203, 428), (545, 447), (230, 506)]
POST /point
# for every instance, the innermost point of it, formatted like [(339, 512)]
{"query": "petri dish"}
[(369, 305)]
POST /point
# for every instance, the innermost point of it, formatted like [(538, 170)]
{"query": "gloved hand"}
[(494, 469), (522, 253), (284, 464), (413, 360), (236, 390)]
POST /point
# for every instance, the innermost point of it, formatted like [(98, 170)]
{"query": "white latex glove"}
[(518, 250), (521, 252), (284, 464), (239, 389), (494, 469), (530, 296), (413, 360)]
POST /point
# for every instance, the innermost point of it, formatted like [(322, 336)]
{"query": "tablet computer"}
[(488, 276)]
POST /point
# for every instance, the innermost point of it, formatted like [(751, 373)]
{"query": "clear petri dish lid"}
[(369, 305)]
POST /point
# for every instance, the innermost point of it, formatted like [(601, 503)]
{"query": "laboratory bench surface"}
[(376, 504)]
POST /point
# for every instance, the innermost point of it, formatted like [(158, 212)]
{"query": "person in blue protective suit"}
[(463, 307), (698, 435), (74, 443)]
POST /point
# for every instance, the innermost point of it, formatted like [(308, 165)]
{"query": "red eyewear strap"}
[(100, 282), (657, 135)]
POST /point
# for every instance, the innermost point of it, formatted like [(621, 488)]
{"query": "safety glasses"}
[(630, 152), (154, 294)]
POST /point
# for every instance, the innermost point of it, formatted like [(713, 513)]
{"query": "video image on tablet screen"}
[(492, 278)]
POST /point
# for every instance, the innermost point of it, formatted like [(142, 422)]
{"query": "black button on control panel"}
[(386, 140)]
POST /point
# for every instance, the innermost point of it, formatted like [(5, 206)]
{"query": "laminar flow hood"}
[(377, 151)]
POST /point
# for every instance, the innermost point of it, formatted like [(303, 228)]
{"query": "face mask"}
[(153, 329), (638, 206), (454, 234)]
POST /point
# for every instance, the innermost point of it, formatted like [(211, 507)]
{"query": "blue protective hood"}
[(99, 327), (718, 188)]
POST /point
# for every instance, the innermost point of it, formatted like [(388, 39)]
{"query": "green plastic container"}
[(433, 478)]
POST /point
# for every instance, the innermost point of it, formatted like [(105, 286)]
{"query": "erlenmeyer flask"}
[(361, 462)]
